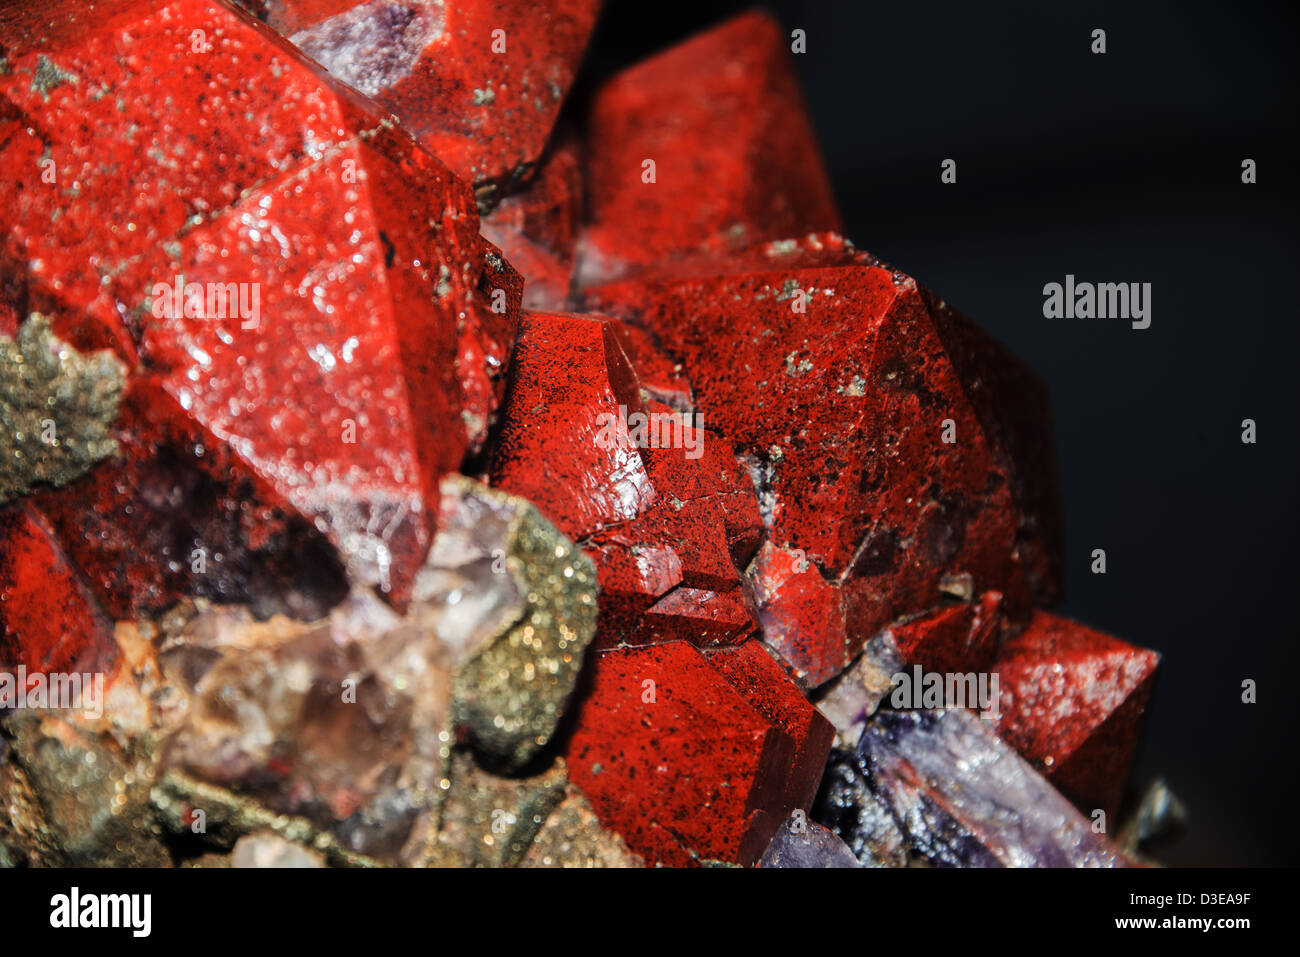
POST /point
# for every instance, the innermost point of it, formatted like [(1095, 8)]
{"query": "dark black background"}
[(1124, 167)]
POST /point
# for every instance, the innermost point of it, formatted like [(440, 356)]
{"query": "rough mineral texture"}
[(733, 160), (86, 802), (337, 734), (667, 530), (347, 368), (688, 764), (573, 836), (347, 722), (864, 821), (509, 695), (422, 477), (57, 406), (488, 821), (478, 82), (894, 472), (963, 798), (1071, 699), (752, 671)]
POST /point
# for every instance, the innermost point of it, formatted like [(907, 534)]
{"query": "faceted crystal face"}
[(706, 147), (667, 730), (804, 843), (963, 798), (105, 169), (1070, 703), (478, 83), (854, 382), (669, 529), (436, 483), (348, 368)]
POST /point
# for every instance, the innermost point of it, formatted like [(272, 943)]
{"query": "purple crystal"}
[(803, 843), (963, 798)]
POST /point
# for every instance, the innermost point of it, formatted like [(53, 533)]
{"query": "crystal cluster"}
[(440, 474)]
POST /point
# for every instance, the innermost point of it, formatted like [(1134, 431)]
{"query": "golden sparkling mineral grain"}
[(572, 836), (56, 409), (510, 696), (25, 839), (490, 821), (82, 800)]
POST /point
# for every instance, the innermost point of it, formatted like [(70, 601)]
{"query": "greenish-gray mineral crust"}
[(510, 696), (57, 406)]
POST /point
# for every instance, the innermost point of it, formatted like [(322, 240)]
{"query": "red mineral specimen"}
[(478, 82), (536, 226), (894, 471), (1071, 700), (306, 284), (959, 638), (662, 380), (570, 372), (692, 758), (802, 613), (706, 147), (177, 512), (49, 621), (661, 505), (759, 428), (755, 674), (344, 390), (101, 168)]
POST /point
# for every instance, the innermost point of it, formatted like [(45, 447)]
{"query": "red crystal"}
[(838, 384), (754, 673), (662, 380), (80, 90), (569, 371), (666, 529), (478, 82), (959, 638), (693, 758), (735, 159), (1071, 700), (49, 621), (850, 458), (378, 354)]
